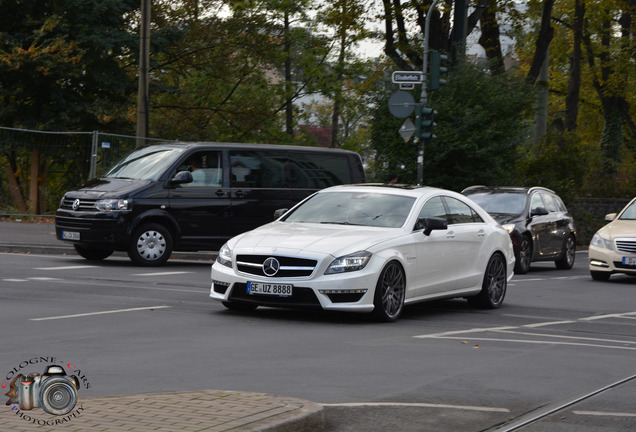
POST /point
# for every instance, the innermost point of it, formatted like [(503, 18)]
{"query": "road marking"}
[(568, 337), (161, 273), (14, 280), (79, 267), (475, 330), (44, 279), (418, 405), (543, 324), (601, 413), (545, 342), (100, 313)]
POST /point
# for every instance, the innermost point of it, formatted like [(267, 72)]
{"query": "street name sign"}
[(413, 77)]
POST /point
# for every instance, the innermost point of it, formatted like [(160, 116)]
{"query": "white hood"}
[(315, 238)]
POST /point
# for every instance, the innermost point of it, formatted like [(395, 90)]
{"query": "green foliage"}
[(480, 126)]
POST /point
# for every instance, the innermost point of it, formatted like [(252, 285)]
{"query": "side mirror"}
[(610, 217), (431, 224), (278, 213), (182, 177), (539, 211)]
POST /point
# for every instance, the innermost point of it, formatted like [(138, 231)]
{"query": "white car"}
[(613, 247), (368, 248)]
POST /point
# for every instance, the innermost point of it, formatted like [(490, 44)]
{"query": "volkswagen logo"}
[(76, 204), (271, 266)]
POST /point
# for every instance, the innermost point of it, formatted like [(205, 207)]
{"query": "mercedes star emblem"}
[(271, 266)]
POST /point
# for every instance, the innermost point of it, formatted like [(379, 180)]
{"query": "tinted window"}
[(433, 208), (316, 171), (504, 202), (550, 204), (460, 212), (253, 169)]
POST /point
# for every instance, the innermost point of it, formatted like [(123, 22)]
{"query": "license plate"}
[(283, 290), (630, 261), (70, 235)]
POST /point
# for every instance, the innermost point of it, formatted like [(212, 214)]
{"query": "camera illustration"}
[(53, 391)]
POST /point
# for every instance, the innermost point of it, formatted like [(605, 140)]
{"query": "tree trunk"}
[(574, 81), (33, 188), (14, 186), (540, 124), (543, 42), (489, 39)]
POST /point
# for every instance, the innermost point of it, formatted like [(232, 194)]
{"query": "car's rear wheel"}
[(524, 255), (390, 291), (566, 260), (91, 253), (600, 276), (151, 245), (240, 306), (493, 287)]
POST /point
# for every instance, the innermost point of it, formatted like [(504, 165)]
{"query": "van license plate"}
[(283, 290), (70, 235)]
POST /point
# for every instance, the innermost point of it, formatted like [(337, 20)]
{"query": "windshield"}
[(354, 208), (504, 203), (147, 163), (629, 213)]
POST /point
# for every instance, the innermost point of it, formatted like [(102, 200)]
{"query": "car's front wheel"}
[(493, 287), (151, 245), (566, 260), (524, 255), (92, 254), (389, 294)]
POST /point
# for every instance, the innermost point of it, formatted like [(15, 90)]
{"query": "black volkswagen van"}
[(195, 196)]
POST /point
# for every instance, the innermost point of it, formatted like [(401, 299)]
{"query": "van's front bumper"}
[(103, 230)]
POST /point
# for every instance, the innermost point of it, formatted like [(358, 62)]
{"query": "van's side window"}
[(254, 169), (206, 168), (316, 170)]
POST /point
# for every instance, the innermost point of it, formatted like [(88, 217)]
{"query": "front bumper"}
[(98, 230), (350, 292), (605, 260)]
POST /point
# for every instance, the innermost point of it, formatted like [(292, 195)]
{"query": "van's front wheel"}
[(151, 245)]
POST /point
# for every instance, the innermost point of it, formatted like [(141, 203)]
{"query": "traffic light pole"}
[(424, 96)]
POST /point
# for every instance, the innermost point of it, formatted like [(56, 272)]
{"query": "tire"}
[(239, 306), (92, 254), (390, 291), (493, 288), (566, 260), (524, 256), (151, 245), (600, 275)]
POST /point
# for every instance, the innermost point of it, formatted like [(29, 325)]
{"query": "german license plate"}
[(630, 261), (70, 235), (283, 290)]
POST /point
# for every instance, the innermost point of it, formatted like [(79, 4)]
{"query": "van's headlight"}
[(225, 256), (113, 204), (348, 263)]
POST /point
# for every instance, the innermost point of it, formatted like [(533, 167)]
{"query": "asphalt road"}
[(561, 344)]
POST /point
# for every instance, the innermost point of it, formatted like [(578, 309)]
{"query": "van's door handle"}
[(239, 194), (220, 193)]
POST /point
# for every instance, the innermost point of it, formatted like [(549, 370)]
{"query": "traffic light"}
[(436, 69), (427, 124)]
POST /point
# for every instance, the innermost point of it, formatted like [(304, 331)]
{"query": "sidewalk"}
[(208, 410)]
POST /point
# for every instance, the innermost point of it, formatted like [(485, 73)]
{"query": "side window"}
[(550, 204), (316, 171), (459, 212), (254, 169), (536, 202), (433, 208), (206, 168)]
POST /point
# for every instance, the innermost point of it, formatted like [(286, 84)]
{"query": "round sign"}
[(401, 104)]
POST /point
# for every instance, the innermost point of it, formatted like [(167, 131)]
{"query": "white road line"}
[(44, 279), (161, 273), (100, 313), (536, 342), (14, 280), (475, 330), (543, 324), (602, 413), (79, 267), (418, 405), (625, 342)]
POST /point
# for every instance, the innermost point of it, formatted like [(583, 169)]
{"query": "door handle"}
[(220, 193), (450, 235), (481, 233), (239, 194)]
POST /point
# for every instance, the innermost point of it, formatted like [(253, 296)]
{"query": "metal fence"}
[(39, 166)]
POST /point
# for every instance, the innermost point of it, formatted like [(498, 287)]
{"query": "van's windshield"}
[(146, 164)]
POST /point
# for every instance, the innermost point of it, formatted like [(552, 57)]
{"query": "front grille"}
[(289, 266), (70, 223), (626, 245), (84, 204), (302, 297)]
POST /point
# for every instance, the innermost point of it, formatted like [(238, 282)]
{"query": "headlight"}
[(225, 256), (113, 204), (600, 242), (348, 263), (509, 227)]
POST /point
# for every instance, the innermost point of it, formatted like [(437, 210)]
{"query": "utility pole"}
[(144, 60)]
